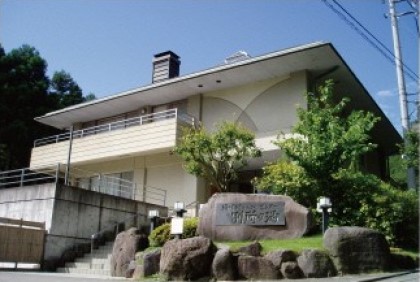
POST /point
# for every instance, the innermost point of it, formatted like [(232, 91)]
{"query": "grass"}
[(406, 252), (297, 245)]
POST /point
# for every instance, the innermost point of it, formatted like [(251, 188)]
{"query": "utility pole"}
[(411, 181)]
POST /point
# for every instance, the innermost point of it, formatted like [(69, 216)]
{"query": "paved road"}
[(53, 277), (17, 276)]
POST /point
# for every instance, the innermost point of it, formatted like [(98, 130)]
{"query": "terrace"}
[(152, 133)]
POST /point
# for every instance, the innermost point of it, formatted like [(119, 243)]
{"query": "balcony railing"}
[(118, 125), (98, 182)]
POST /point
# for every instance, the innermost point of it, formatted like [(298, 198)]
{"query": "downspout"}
[(67, 176)]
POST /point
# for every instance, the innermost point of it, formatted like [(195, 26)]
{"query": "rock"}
[(253, 249), (187, 259), (151, 261), (277, 257), (147, 264), (258, 268), (316, 264), (223, 267), (130, 269), (291, 270), (123, 252), (356, 249), (402, 262), (298, 219)]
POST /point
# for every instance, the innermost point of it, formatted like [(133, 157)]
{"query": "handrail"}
[(97, 182), (117, 125), (97, 236), (26, 176)]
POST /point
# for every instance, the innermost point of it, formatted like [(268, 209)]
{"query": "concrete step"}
[(94, 260), (87, 265), (104, 272), (96, 263)]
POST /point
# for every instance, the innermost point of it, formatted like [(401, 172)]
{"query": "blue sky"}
[(107, 46)]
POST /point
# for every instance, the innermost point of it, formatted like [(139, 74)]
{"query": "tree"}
[(65, 90), (325, 140), (323, 152), (23, 95), (411, 152), (217, 156)]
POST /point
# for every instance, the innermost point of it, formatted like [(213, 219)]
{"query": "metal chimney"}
[(165, 66)]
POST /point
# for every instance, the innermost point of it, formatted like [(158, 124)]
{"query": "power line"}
[(368, 36), (371, 35)]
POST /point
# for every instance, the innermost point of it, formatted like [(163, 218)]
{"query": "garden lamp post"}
[(177, 223), (324, 206), (153, 215), (179, 208)]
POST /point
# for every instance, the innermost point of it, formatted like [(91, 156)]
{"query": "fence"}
[(21, 241), (84, 179), (117, 125)]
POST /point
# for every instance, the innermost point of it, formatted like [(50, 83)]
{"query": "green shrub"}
[(347, 192), (395, 213), (286, 178), (190, 227), (162, 234)]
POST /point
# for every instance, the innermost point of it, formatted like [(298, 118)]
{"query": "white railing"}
[(83, 179), (118, 125), (154, 195), (26, 177)]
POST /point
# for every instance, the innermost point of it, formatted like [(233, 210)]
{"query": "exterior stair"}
[(96, 263)]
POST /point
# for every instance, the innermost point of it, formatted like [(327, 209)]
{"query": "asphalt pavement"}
[(19, 276)]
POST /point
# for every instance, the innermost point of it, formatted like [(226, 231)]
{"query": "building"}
[(128, 138)]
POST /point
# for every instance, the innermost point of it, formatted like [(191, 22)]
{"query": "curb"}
[(389, 276)]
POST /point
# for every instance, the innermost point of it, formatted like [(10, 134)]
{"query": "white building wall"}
[(162, 171)]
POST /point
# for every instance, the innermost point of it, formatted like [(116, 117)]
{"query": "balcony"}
[(152, 133)]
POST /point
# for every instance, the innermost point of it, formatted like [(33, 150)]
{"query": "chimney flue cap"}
[(166, 53)]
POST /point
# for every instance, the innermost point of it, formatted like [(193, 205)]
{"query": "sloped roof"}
[(319, 58)]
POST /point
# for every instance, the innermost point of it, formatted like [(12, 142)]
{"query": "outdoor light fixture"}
[(153, 215), (324, 206), (177, 223), (179, 208)]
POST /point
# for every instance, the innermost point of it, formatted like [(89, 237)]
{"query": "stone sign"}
[(234, 216), (250, 213)]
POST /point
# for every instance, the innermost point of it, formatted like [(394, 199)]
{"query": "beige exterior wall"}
[(266, 107), (162, 171), (148, 138)]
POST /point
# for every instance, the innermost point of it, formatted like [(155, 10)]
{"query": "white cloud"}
[(385, 93), (384, 106)]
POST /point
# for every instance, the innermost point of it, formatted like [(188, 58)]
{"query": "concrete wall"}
[(71, 214), (31, 203), (78, 214)]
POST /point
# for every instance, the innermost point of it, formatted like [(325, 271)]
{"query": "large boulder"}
[(256, 268), (253, 217), (291, 270), (147, 264), (316, 264), (357, 249), (277, 257), (253, 249), (187, 259), (124, 250), (223, 267)]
